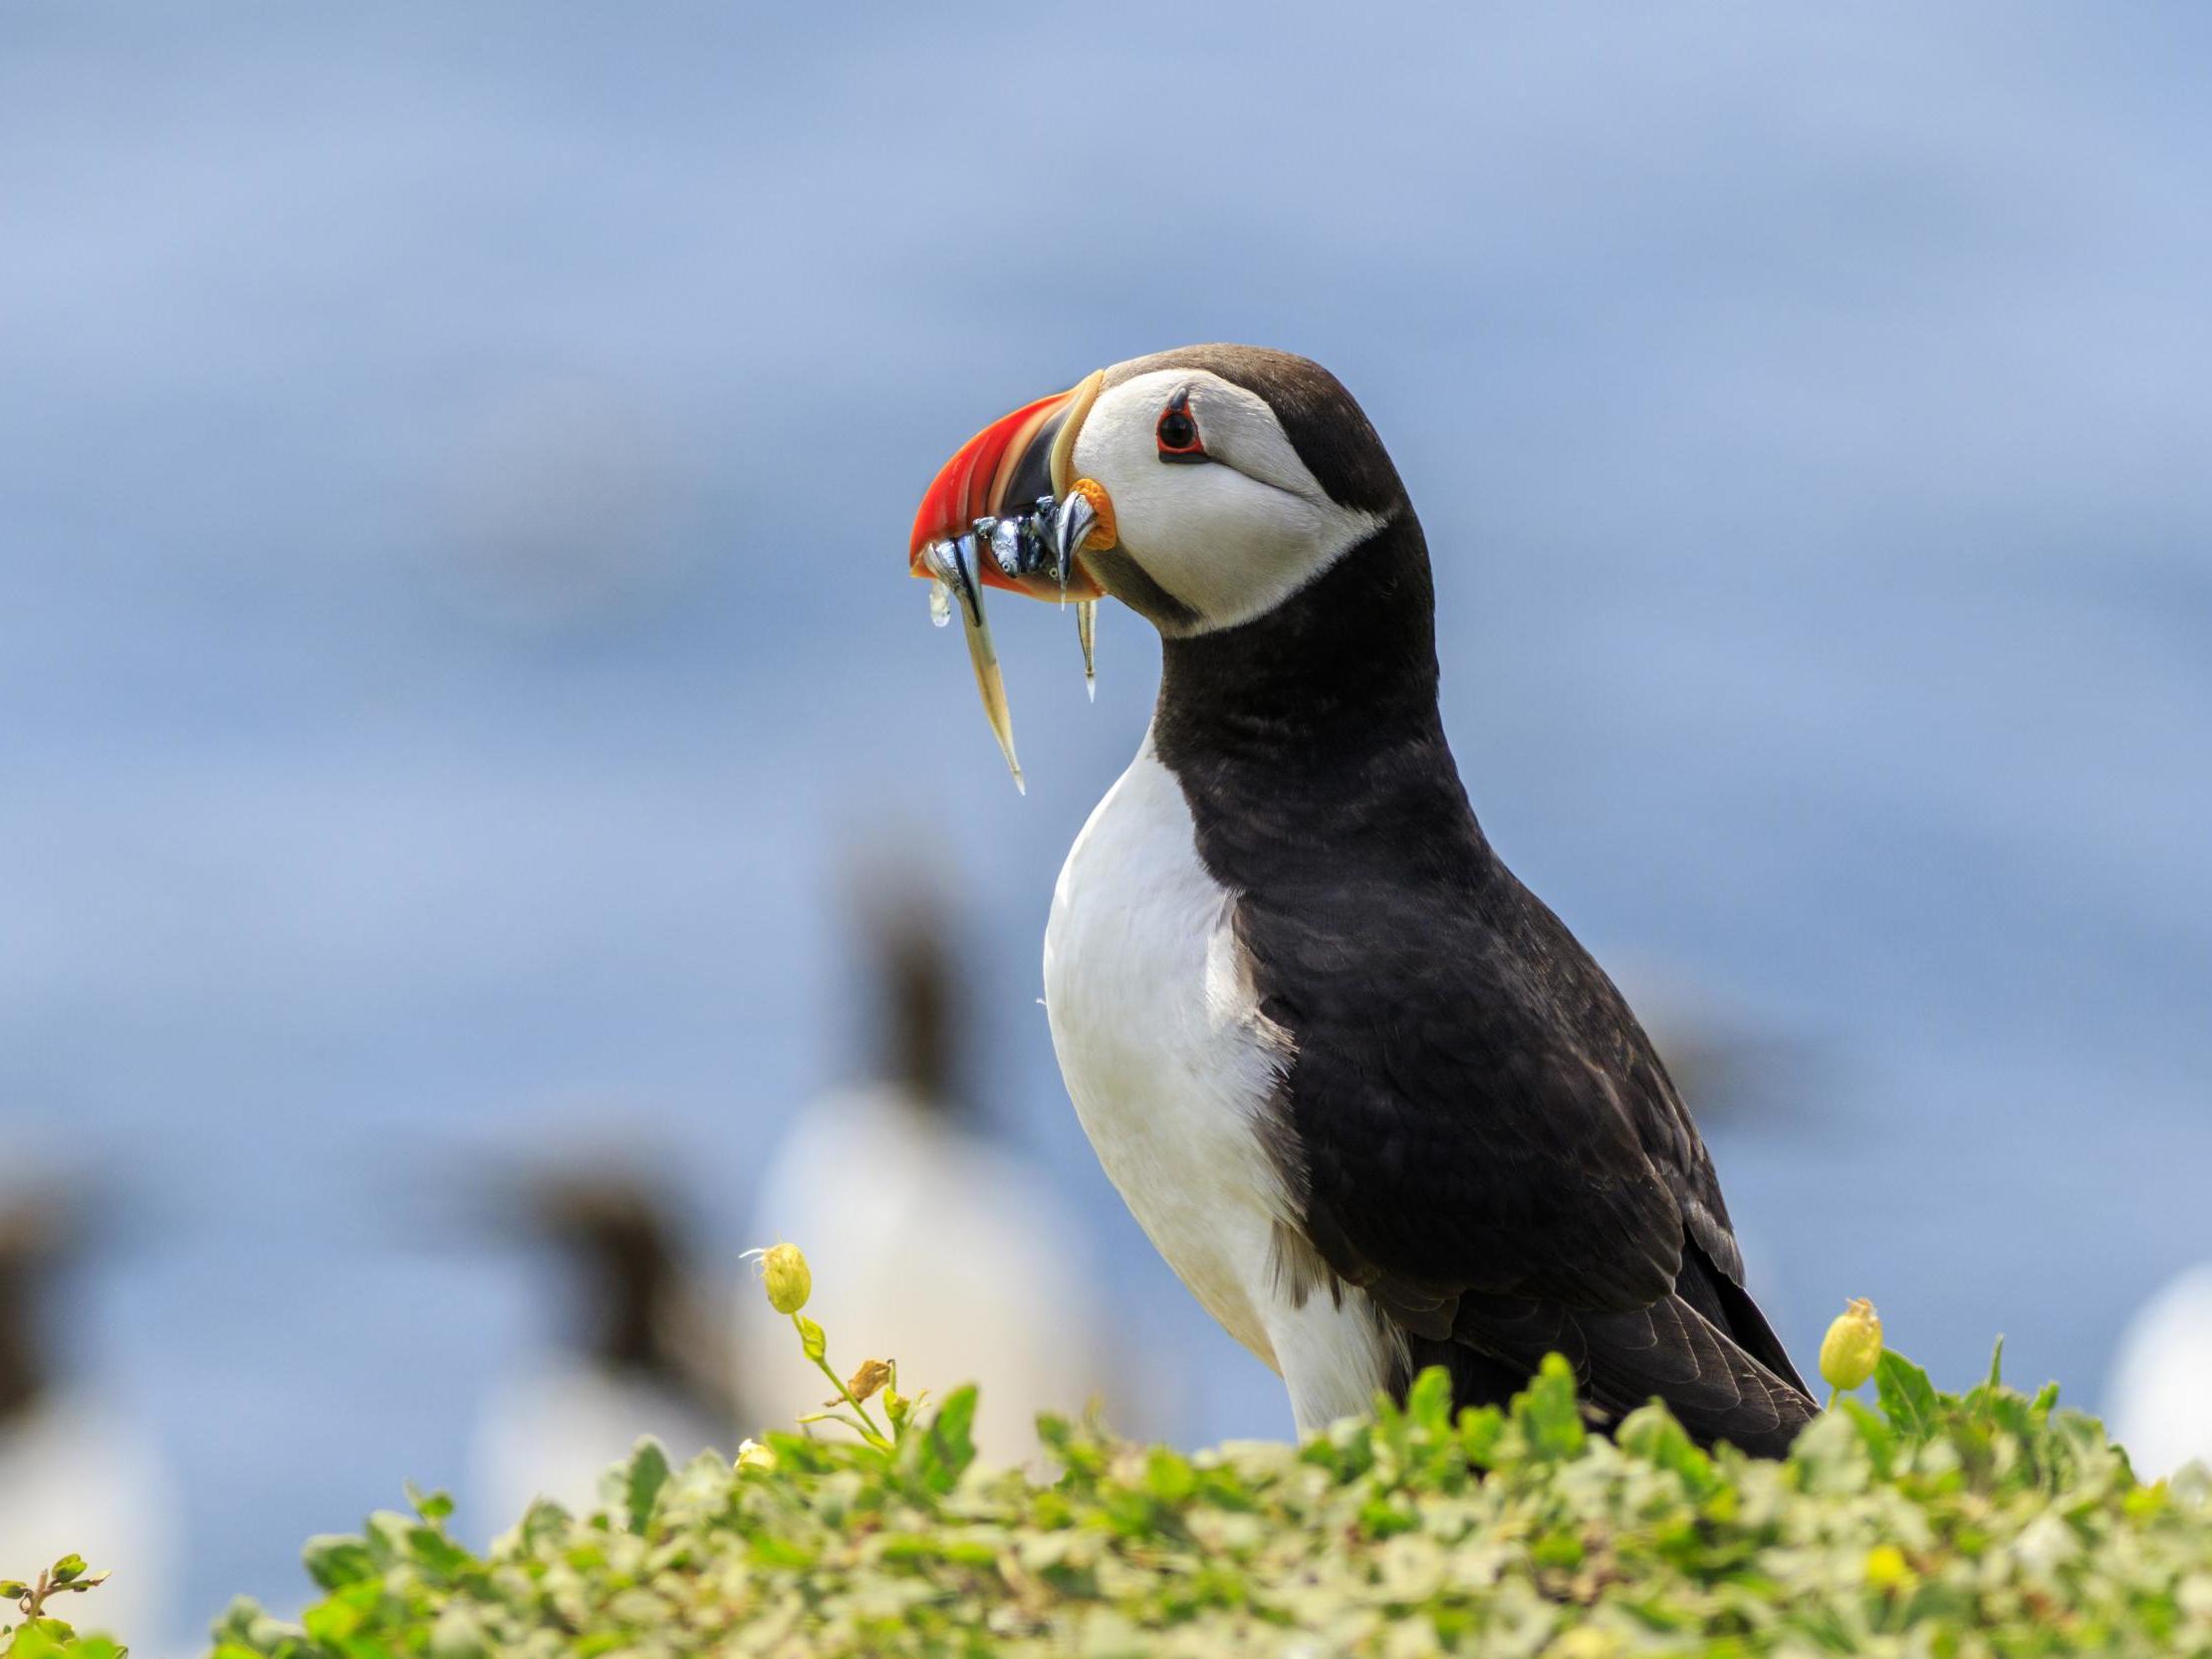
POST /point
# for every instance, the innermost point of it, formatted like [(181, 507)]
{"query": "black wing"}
[(1484, 1138)]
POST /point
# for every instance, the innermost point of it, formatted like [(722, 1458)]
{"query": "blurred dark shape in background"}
[(79, 1472), (932, 1243), (915, 992), (644, 1347), (1725, 1067), (2158, 1397)]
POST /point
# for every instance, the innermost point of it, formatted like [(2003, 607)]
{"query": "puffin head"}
[(1201, 487), (1214, 482)]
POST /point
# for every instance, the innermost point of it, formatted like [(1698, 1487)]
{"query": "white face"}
[(1229, 537)]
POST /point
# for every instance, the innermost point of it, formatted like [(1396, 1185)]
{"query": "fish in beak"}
[(1006, 512)]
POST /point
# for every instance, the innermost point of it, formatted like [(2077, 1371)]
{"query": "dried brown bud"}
[(872, 1375)]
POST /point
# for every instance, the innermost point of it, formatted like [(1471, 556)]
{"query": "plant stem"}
[(875, 1436)]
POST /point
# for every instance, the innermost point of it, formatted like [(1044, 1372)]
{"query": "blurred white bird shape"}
[(930, 1245), (2158, 1400), (641, 1357), (79, 1472)]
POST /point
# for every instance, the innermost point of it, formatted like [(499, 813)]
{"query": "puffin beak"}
[(1007, 512), (1003, 487)]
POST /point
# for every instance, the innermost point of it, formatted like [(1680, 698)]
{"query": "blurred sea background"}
[(455, 465)]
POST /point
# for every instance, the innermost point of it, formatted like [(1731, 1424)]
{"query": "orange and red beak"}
[(1007, 511), (1001, 472)]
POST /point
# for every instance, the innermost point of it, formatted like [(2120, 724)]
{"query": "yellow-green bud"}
[(1585, 1642), (810, 1340), (753, 1455), (1886, 1567), (898, 1407), (1853, 1346), (784, 1271)]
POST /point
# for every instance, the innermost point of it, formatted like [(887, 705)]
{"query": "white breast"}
[(1171, 1064)]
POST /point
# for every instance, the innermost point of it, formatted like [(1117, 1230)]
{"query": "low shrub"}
[(1989, 1524)]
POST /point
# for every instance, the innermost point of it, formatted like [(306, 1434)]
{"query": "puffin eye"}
[(1179, 431)]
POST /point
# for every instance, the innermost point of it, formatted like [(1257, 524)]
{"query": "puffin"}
[(1368, 1097)]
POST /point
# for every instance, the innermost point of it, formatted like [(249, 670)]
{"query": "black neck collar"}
[(1308, 741), (1346, 663)]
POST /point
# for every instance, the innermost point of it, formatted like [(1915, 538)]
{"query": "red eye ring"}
[(1177, 431)]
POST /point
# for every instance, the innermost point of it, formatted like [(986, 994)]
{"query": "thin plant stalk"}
[(875, 1436)]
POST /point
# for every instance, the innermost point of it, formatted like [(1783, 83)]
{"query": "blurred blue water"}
[(454, 471)]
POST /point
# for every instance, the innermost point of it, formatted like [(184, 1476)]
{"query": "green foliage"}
[(37, 1635), (1937, 1526)]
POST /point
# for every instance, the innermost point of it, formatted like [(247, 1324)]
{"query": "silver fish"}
[(960, 555), (1086, 631)]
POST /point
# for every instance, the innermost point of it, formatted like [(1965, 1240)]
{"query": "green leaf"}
[(1428, 1403), (431, 1506), (1559, 1547), (432, 1550), (949, 1446), (1481, 1428), (41, 1638), (1907, 1397), (1550, 1415), (335, 1619), (1997, 1364), (544, 1522), (336, 1559), (771, 1551), (1652, 1433), (1167, 1477), (642, 1480), (1875, 1431), (244, 1624)]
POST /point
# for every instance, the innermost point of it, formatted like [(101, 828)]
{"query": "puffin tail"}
[(1716, 1387)]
